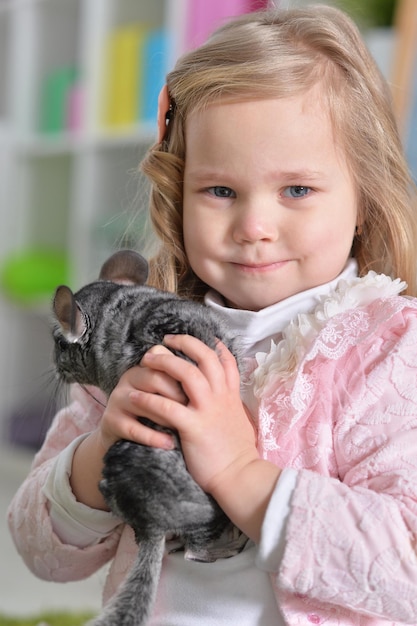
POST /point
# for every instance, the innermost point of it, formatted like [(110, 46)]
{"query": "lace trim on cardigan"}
[(298, 337)]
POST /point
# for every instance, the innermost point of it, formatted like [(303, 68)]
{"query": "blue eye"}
[(296, 191), (222, 192)]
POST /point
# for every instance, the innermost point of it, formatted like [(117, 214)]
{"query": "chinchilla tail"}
[(133, 603)]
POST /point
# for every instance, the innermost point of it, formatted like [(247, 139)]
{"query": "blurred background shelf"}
[(68, 177), (79, 81)]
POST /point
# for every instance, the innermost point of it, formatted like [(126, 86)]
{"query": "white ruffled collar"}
[(255, 329), (284, 356)]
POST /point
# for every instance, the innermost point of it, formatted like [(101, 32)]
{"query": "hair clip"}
[(165, 112)]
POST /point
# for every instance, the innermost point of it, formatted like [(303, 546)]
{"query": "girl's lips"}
[(260, 267)]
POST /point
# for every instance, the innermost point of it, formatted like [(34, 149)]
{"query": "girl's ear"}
[(126, 267), (163, 108), (360, 220), (68, 314)]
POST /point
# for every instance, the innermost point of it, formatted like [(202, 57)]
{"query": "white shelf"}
[(4, 62), (75, 190), (36, 37), (41, 145)]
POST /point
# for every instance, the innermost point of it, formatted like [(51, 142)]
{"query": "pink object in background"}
[(257, 5), (203, 17), (75, 108)]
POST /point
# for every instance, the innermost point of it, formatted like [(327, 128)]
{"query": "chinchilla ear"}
[(125, 266), (68, 314)]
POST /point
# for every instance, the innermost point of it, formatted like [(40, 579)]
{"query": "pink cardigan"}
[(346, 420)]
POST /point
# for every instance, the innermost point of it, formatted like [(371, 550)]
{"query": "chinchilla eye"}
[(62, 343)]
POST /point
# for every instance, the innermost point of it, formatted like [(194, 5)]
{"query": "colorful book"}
[(155, 55), (54, 106), (75, 108), (123, 74)]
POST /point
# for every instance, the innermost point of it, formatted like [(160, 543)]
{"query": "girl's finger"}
[(191, 378), (208, 360), (127, 426), (230, 367), (140, 433), (162, 411), (218, 366), (154, 381)]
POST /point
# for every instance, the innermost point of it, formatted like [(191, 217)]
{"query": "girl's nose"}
[(254, 224)]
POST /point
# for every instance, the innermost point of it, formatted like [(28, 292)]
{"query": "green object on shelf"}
[(54, 108), (33, 275), (51, 619)]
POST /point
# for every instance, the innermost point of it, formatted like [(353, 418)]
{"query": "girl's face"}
[(270, 207)]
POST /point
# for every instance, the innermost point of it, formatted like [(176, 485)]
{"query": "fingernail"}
[(169, 444)]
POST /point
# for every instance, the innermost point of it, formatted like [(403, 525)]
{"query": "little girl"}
[(281, 197)]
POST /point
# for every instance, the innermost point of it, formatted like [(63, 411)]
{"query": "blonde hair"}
[(278, 54)]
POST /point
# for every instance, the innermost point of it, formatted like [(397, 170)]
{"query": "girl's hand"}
[(119, 419), (214, 428), (217, 436)]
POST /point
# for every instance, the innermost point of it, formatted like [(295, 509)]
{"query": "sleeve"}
[(74, 522), (351, 541), (272, 543), (30, 524)]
